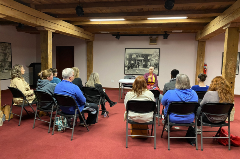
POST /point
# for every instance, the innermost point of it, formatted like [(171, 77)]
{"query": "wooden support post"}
[(230, 56), (46, 49), (89, 58), (0, 95), (200, 59)]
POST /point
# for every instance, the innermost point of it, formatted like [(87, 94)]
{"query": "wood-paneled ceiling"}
[(135, 13)]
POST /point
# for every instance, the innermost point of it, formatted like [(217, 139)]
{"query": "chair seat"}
[(133, 122), (66, 115), (215, 124), (181, 124)]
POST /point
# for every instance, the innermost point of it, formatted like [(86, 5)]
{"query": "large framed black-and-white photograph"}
[(237, 64), (138, 60), (5, 60)]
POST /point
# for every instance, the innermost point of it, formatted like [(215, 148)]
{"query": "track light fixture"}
[(117, 36), (79, 10), (169, 4), (165, 36)]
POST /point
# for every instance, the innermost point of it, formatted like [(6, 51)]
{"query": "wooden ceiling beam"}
[(216, 26), (189, 13), (206, 20), (19, 13), (130, 4)]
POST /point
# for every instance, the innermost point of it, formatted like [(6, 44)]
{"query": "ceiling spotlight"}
[(117, 36), (169, 4), (165, 36), (79, 10)]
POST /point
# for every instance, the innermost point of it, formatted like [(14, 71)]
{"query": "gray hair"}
[(67, 72), (182, 82)]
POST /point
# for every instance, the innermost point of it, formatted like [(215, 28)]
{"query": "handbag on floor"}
[(1, 118), (144, 130), (6, 109), (235, 140), (61, 123)]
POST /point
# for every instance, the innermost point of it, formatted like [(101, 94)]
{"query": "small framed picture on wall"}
[(5, 60)]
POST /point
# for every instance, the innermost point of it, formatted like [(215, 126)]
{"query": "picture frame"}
[(5, 60), (138, 60)]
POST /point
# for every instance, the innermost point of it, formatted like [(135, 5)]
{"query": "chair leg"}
[(34, 119), (196, 133), (158, 105), (229, 135), (155, 133), (54, 122), (10, 112), (201, 136), (50, 120), (20, 116), (163, 129), (168, 134), (127, 132), (85, 124), (74, 123), (26, 111)]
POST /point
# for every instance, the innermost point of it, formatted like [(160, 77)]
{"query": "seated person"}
[(66, 87), (45, 85), (182, 93), (151, 79), (19, 82), (55, 78), (77, 81), (139, 92), (171, 84), (94, 81), (201, 86), (218, 92)]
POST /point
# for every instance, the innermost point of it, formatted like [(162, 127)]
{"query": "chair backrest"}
[(139, 106), (156, 93), (129, 77), (183, 108), (217, 108), (200, 94), (16, 93), (90, 91), (65, 101), (43, 98)]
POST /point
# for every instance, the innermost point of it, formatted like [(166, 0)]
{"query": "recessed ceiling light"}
[(177, 31), (167, 18), (106, 20)]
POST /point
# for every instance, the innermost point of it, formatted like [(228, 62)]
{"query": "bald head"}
[(151, 69)]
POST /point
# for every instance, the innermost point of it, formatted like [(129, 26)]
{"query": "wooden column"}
[(46, 49), (230, 55), (0, 95), (89, 58), (200, 59)]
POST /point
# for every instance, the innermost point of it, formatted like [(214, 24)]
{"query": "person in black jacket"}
[(94, 81), (77, 81)]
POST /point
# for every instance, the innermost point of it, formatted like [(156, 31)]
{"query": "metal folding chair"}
[(156, 94), (181, 108), (216, 111), (45, 103), (141, 107), (128, 85), (18, 94), (67, 101)]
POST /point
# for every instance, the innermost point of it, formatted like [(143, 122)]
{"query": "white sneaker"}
[(199, 131)]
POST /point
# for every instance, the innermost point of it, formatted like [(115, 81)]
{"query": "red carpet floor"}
[(106, 139)]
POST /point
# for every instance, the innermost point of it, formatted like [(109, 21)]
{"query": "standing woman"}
[(55, 78), (77, 81), (19, 82), (94, 81), (151, 79)]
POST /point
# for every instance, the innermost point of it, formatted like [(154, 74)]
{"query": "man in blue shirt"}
[(66, 87)]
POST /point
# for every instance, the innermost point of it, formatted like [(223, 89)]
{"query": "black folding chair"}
[(200, 95), (128, 85), (93, 93), (181, 108), (141, 107), (156, 94), (45, 103), (16, 93), (216, 111)]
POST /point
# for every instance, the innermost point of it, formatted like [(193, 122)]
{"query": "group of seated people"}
[(178, 89), (71, 85)]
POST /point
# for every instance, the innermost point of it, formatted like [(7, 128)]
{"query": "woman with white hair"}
[(94, 81), (151, 79), (181, 93)]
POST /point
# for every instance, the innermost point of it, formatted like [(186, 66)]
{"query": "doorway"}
[(64, 58)]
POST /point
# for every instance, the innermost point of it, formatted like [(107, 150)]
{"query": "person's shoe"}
[(103, 111), (112, 104), (199, 131)]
